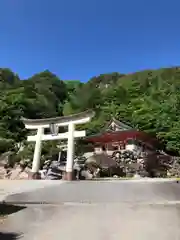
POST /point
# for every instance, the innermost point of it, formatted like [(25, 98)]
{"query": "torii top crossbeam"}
[(78, 118)]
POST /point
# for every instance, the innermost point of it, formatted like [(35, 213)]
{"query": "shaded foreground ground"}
[(99, 210), (9, 236)]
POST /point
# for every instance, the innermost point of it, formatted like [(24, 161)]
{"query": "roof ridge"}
[(120, 122)]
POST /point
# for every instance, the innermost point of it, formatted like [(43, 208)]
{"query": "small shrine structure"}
[(120, 136), (54, 124)]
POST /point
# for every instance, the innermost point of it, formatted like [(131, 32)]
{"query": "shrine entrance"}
[(54, 124)]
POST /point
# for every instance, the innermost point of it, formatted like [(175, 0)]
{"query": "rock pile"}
[(15, 173)]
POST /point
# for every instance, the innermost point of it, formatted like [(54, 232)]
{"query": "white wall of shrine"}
[(111, 147)]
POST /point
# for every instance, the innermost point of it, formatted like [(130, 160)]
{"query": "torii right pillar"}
[(69, 176)]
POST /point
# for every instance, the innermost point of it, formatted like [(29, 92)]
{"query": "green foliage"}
[(7, 78), (148, 100), (45, 92), (49, 151), (26, 153), (72, 86), (41, 96), (6, 145)]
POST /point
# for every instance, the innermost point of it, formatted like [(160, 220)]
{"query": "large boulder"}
[(85, 174), (101, 160), (107, 165)]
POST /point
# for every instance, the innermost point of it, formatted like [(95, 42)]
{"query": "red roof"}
[(108, 137)]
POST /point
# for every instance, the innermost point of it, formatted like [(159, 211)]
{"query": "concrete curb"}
[(11, 187), (135, 180), (26, 186)]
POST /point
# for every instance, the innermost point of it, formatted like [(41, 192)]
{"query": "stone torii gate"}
[(54, 124)]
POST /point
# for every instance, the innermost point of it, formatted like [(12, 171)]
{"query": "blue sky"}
[(78, 39)]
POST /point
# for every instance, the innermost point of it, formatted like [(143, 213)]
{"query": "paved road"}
[(99, 210)]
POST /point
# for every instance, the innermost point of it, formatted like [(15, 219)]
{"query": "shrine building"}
[(119, 136)]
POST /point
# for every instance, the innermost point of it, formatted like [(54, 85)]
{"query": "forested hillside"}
[(148, 100)]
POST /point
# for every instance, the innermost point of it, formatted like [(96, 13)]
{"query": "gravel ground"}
[(98, 210)]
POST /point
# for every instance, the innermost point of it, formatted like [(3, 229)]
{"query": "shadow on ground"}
[(9, 236), (6, 209)]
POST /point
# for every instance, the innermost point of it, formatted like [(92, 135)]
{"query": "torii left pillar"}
[(37, 155)]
